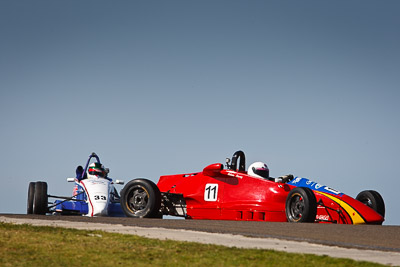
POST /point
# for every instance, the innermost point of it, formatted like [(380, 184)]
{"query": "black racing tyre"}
[(141, 198), (301, 205), (373, 200), (40, 199), (31, 195)]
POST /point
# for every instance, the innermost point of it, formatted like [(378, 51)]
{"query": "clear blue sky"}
[(164, 87)]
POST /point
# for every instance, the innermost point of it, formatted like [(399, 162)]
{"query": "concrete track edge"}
[(229, 240)]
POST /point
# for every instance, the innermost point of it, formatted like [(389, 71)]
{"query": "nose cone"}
[(98, 204), (97, 191), (373, 217), (369, 215), (100, 208)]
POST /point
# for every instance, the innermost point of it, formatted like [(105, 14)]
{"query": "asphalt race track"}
[(385, 238), (377, 238)]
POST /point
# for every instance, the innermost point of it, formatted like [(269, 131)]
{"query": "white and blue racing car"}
[(94, 194)]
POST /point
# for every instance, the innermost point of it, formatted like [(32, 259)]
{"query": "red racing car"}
[(233, 193)]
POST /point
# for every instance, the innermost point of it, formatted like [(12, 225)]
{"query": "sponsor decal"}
[(234, 174), (322, 217), (96, 181), (304, 182), (296, 180)]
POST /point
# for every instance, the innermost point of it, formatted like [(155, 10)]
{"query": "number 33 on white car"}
[(211, 192)]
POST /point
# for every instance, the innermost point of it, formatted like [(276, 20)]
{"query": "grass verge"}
[(25, 245)]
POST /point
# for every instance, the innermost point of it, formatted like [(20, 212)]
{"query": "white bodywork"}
[(97, 191)]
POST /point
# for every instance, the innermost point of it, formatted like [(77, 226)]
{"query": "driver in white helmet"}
[(260, 170)]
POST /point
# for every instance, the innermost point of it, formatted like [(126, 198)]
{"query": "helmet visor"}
[(96, 172), (263, 172)]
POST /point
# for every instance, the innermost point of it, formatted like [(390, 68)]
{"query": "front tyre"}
[(141, 198), (373, 200), (301, 205), (40, 199), (31, 195)]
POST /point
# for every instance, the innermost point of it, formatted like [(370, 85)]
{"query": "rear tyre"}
[(141, 198), (31, 195), (40, 199), (301, 205), (373, 200)]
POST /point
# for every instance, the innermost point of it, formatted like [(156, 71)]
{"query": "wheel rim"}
[(296, 207), (138, 199), (367, 201)]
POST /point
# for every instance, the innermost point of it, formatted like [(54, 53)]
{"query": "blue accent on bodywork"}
[(304, 182), (72, 206), (81, 207), (79, 173), (115, 210)]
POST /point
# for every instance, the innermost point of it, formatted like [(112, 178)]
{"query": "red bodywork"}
[(220, 194)]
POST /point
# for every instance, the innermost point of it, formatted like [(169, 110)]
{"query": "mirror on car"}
[(70, 180), (228, 161), (213, 169), (119, 182)]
